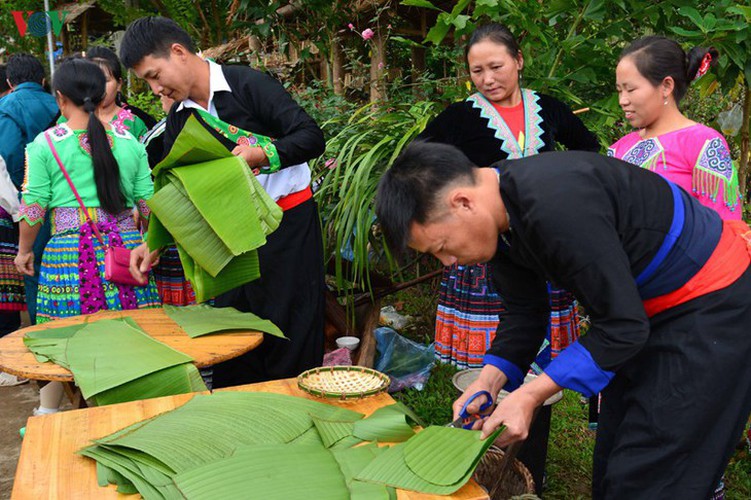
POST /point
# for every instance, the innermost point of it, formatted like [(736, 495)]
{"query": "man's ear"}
[(460, 199), (12, 87), (179, 51)]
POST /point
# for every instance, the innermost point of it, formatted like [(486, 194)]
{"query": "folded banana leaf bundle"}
[(209, 204)]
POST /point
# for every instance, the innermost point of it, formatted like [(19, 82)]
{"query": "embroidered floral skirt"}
[(59, 280), (169, 275), (12, 294), (467, 318)]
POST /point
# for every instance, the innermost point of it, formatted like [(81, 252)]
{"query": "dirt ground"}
[(17, 404)]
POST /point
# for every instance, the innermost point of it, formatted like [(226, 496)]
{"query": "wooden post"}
[(377, 65), (85, 30), (337, 57)]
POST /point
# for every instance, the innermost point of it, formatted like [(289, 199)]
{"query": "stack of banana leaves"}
[(273, 446), (114, 361), (209, 204)]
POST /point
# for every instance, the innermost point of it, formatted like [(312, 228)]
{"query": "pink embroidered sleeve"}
[(33, 213), (143, 209)]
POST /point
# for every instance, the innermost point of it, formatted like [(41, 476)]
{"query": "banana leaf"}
[(181, 218), (50, 344), (231, 179), (203, 319), (332, 432), (197, 172), (267, 472), (311, 437), (109, 353), (179, 379), (194, 144), (391, 468), (220, 423), (386, 425), (353, 460), (240, 270)]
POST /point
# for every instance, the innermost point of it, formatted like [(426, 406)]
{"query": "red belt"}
[(727, 263), (292, 200)]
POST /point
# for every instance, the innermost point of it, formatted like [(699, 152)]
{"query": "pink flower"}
[(367, 34), (380, 65), (351, 26), (331, 163)]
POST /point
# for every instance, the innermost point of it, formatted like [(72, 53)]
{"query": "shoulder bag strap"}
[(73, 188)]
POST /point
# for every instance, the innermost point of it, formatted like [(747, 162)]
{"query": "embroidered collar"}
[(217, 83), (532, 124)]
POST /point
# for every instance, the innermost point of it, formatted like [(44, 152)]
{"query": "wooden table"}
[(16, 359), (48, 467)]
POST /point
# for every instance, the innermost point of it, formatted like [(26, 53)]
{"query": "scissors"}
[(466, 420)]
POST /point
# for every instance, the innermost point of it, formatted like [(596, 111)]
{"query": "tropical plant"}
[(367, 143)]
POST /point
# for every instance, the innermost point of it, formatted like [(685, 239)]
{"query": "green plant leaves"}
[(386, 425)]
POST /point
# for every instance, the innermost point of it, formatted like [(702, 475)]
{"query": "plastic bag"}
[(406, 362), (389, 317), (730, 121)]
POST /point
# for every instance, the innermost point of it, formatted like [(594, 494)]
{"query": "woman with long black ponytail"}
[(110, 172)]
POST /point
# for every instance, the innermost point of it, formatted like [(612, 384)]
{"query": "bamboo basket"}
[(518, 479), (343, 382)]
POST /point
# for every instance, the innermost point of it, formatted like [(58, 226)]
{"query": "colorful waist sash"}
[(72, 218), (730, 259)]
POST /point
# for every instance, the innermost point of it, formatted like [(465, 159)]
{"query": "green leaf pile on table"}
[(114, 361), (209, 204), (268, 446)]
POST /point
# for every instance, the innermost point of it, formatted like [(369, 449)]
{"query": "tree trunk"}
[(743, 168), (418, 68), (337, 56), (377, 66)]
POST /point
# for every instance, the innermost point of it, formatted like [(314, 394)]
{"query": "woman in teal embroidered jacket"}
[(501, 120)]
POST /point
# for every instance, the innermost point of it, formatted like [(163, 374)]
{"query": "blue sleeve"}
[(575, 369), (513, 373), (12, 148)]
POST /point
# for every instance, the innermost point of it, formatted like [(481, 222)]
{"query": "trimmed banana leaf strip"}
[(442, 455), (332, 432), (179, 379), (240, 270), (386, 425), (267, 472), (198, 171), (391, 468), (202, 319), (109, 353), (308, 438), (351, 462)]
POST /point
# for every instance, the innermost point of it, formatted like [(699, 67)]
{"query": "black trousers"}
[(290, 293), (670, 418)]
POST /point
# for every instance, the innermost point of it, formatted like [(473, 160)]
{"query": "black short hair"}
[(106, 58), (24, 68), (408, 192), (152, 36), (657, 57), (4, 87)]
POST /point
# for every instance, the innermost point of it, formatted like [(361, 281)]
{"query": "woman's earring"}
[(665, 103)]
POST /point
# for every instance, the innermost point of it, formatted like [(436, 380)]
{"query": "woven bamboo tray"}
[(518, 479), (343, 382)]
